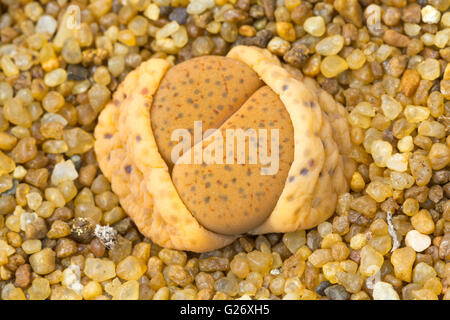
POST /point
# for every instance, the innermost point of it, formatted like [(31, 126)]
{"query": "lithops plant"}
[(180, 202)]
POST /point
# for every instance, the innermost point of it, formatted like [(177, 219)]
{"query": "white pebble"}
[(64, 171), (46, 25), (418, 241), (384, 291), (19, 173), (53, 117), (430, 14), (26, 218), (199, 6)]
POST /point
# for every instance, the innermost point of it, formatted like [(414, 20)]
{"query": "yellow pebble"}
[(331, 66), (286, 31), (423, 222), (357, 183), (91, 290), (403, 259)]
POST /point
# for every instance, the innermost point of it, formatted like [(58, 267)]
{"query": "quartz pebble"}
[(417, 241), (384, 291), (63, 171)]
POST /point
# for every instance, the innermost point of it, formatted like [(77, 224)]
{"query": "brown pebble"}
[(23, 276), (97, 247), (409, 82), (82, 230), (396, 39), (350, 10), (25, 150)]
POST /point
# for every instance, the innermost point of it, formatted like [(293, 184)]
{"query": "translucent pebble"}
[(384, 291), (398, 162), (6, 249), (401, 180), (278, 46), (320, 257), (416, 114), (381, 151), (46, 25), (180, 37), (199, 6), (383, 52), (32, 246), (71, 51), (15, 112), (315, 26), (330, 45), (8, 66), (333, 65), (423, 272), (411, 29), (55, 77), (152, 12), (356, 59), (130, 268), (54, 146), (429, 69), (358, 241), (433, 129), (430, 14), (417, 241), (9, 292), (378, 191), (391, 108), (27, 218), (43, 262), (63, 171), (294, 240), (420, 168), (40, 289), (259, 261), (228, 286), (441, 38), (6, 92), (99, 269), (34, 200), (324, 228), (53, 101), (91, 290), (167, 30), (439, 156), (78, 141), (371, 261), (405, 144), (55, 196), (6, 164)]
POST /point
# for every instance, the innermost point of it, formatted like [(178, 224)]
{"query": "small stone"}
[(82, 230), (417, 241), (423, 222), (320, 289), (315, 26), (423, 272), (430, 14), (395, 39), (43, 262), (63, 171), (130, 268), (384, 291), (403, 259), (350, 10), (46, 25), (77, 72), (337, 292), (99, 269)]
